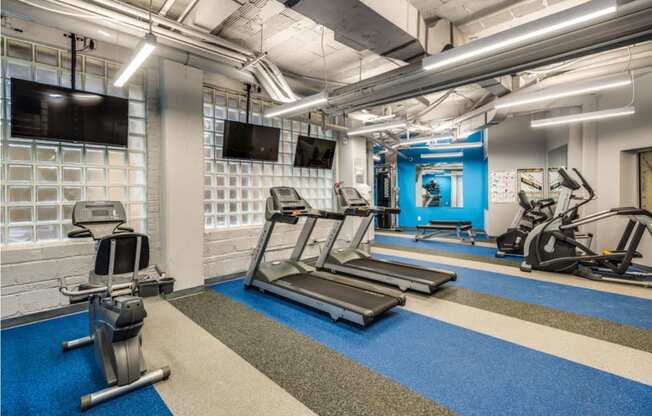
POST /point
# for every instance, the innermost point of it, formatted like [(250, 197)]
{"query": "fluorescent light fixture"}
[(591, 116), (299, 106), (376, 128), (144, 48), (441, 155), (520, 35), (450, 146), (421, 141), (379, 118), (565, 90)]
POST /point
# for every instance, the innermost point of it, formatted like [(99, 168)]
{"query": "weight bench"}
[(463, 230)]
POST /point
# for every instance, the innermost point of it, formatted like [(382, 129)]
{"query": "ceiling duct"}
[(631, 24), (394, 29)]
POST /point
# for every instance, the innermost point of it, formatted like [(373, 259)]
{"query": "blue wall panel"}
[(475, 189)]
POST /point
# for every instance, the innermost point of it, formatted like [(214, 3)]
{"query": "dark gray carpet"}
[(617, 333), (325, 381)]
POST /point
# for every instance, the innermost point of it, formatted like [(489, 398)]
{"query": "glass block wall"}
[(41, 180), (235, 190)]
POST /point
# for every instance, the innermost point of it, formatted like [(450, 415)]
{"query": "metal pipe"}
[(632, 24), (143, 25), (127, 38), (162, 20)]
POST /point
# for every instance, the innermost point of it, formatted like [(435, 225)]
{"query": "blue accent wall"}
[(475, 188)]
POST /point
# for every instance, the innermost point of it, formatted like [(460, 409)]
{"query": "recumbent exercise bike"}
[(116, 314)]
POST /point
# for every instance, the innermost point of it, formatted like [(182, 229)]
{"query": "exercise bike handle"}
[(81, 233), (92, 291)]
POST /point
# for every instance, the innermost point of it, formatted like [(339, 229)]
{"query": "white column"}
[(182, 185)]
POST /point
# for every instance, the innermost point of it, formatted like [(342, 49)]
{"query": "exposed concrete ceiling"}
[(479, 18), (305, 49)]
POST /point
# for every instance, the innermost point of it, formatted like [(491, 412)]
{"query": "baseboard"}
[(44, 315)]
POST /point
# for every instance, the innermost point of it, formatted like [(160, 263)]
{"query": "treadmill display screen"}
[(286, 195)]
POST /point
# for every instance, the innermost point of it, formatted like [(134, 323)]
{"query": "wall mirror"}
[(440, 185)]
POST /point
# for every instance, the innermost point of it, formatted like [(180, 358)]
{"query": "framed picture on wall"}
[(645, 179), (530, 181)]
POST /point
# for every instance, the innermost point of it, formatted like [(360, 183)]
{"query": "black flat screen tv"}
[(247, 141), (314, 153), (48, 112)]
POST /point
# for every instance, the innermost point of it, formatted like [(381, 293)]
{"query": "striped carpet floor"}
[(491, 343), (496, 342)]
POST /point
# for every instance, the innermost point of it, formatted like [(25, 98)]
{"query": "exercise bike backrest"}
[(118, 249)]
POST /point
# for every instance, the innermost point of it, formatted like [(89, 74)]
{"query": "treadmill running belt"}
[(375, 302), (400, 270)]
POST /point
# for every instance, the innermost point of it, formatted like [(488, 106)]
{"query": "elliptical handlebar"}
[(585, 184)]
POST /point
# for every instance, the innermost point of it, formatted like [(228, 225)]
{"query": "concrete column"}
[(182, 184)]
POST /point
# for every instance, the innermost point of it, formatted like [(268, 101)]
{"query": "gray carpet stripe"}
[(322, 379), (617, 333), (446, 253)]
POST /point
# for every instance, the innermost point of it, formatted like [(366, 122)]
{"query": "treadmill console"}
[(351, 198), (288, 201)]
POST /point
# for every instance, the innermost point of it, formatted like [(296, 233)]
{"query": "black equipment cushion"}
[(446, 225), (450, 222), (125, 253)]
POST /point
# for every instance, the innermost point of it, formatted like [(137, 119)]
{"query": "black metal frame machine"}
[(354, 261), (554, 246), (529, 215), (339, 296), (116, 313)]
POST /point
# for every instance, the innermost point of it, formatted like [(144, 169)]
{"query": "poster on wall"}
[(502, 186), (531, 181), (645, 179)]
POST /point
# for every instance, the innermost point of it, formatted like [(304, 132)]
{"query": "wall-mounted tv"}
[(314, 153), (246, 141), (48, 112)]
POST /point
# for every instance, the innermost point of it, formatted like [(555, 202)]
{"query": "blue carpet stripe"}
[(594, 303), (464, 249), (468, 372), (38, 378)]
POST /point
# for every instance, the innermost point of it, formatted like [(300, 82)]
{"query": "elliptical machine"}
[(115, 314), (529, 215), (554, 246)]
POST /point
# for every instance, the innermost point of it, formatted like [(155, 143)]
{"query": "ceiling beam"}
[(165, 8)]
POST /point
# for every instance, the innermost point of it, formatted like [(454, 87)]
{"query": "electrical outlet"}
[(419, 218)]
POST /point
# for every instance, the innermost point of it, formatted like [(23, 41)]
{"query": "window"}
[(235, 190), (645, 179), (41, 180)]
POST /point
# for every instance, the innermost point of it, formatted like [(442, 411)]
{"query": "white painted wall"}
[(512, 145), (616, 160), (182, 191)]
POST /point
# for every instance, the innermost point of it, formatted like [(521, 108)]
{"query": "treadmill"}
[(355, 262), (339, 296)]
